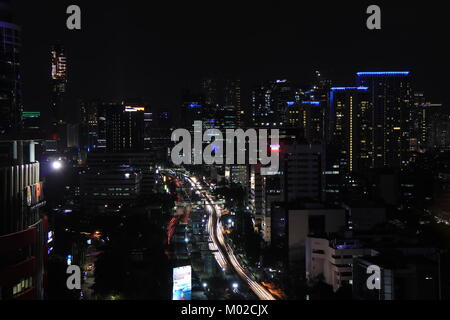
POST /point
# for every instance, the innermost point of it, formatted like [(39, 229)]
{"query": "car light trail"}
[(220, 247)]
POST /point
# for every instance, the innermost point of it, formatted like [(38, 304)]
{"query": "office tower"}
[(257, 194), (10, 82), (271, 102), (209, 92), (260, 106), (238, 174), (59, 83), (314, 120), (293, 223), (31, 123), (302, 166), (144, 163), (125, 129), (232, 100), (194, 109), (308, 116), (108, 190), (440, 132), (158, 129), (89, 126), (351, 129), (226, 118), (299, 179), (282, 94), (422, 115), (391, 97), (149, 123), (296, 115), (23, 227), (317, 119), (73, 135)]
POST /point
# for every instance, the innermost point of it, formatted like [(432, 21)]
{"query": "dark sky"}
[(140, 49)]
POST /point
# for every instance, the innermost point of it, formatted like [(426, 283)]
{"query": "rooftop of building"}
[(307, 204)]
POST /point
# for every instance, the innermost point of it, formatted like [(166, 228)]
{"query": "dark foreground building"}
[(23, 227)]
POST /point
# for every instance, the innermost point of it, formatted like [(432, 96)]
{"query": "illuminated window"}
[(22, 286)]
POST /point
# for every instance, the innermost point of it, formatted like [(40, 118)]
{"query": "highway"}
[(224, 254)]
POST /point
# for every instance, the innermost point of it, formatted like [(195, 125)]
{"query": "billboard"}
[(34, 194), (182, 283)]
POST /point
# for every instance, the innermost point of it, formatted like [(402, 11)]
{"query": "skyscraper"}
[(271, 103), (125, 129), (392, 99), (260, 106), (351, 129), (59, 83), (10, 84), (209, 91), (232, 98)]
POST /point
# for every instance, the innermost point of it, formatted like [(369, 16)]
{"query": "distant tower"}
[(392, 99), (232, 99), (59, 83), (10, 86)]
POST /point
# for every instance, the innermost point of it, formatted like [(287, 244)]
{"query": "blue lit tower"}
[(351, 129), (10, 86), (392, 99)]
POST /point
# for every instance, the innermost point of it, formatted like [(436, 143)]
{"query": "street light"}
[(57, 165)]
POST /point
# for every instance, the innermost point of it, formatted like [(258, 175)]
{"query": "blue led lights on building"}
[(349, 88), (383, 74), (312, 103)]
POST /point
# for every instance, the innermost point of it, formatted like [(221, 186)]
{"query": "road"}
[(224, 254)]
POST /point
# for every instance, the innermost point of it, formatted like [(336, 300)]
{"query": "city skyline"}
[(265, 154), (166, 52)]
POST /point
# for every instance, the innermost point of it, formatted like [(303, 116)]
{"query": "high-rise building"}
[(59, 83), (108, 190), (293, 223), (422, 115), (260, 106), (31, 124), (302, 166), (194, 109), (308, 116), (282, 94), (299, 179), (89, 126), (232, 100), (440, 131), (271, 102), (209, 92), (23, 226), (139, 162), (351, 129), (125, 129), (10, 81), (392, 98)]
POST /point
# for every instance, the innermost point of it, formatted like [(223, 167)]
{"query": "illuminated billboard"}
[(34, 195), (182, 283)]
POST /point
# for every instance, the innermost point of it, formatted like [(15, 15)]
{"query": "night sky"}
[(143, 50)]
